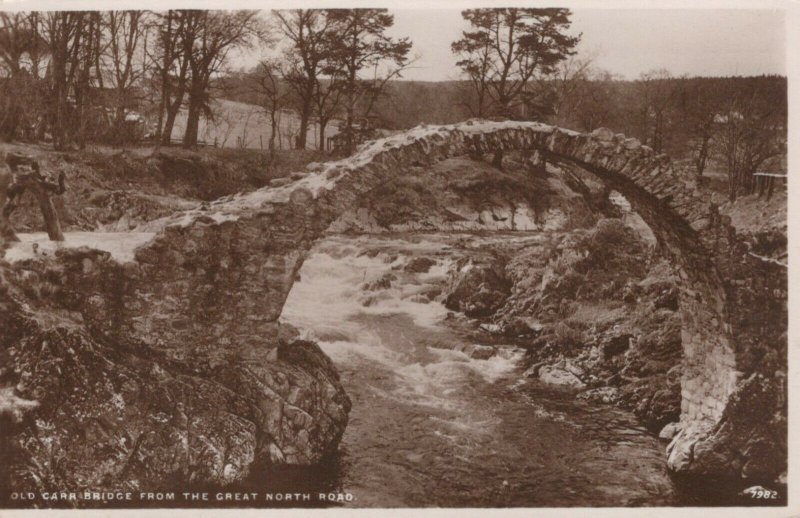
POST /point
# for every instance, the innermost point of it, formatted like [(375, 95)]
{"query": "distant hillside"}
[(616, 104), (247, 126)]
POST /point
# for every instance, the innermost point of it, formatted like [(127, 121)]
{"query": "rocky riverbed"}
[(595, 309), (444, 413)]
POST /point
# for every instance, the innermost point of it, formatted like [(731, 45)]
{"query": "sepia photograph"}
[(458, 256)]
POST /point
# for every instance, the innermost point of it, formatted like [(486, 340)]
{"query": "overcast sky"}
[(627, 42)]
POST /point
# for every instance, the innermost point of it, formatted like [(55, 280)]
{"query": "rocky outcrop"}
[(460, 194), (753, 456), (117, 409), (477, 286), (596, 311), (561, 375)]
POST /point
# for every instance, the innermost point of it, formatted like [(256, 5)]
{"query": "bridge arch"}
[(260, 240)]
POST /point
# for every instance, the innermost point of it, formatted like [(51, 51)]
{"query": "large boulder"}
[(560, 376), (113, 407), (477, 286)]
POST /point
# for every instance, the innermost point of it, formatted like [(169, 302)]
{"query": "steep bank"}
[(113, 410), (598, 312), (595, 309), (462, 194), (116, 190)]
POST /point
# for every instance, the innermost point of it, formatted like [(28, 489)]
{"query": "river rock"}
[(384, 282), (478, 352), (419, 265), (574, 368), (561, 377), (477, 286), (280, 182), (491, 328), (522, 327), (669, 431), (607, 395)]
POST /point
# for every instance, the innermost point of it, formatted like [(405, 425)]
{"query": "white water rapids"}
[(431, 426)]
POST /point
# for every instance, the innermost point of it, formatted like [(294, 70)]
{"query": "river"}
[(431, 426)]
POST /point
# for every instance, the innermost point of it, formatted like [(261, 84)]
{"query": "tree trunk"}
[(322, 124), (48, 212), (733, 180), (702, 157), (59, 108), (160, 128), (273, 132), (305, 115), (348, 132), (6, 231), (119, 122), (192, 124), (169, 124), (41, 187)]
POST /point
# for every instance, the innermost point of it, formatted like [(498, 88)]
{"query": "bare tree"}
[(658, 92), (327, 102), (476, 51), (125, 30), (750, 132), (89, 76), (20, 49), (219, 33), (697, 106), (361, 43), (307, 31), (569, 87), (170, 58), (18, 37), (64, 33), (274, 94)]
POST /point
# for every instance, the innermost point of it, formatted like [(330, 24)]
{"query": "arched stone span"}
[(227, 268)]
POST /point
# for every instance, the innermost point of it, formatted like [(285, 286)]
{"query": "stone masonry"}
[(259, 241), (285, 220)]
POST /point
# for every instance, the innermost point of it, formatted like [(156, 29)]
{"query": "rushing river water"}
[(432, 427)]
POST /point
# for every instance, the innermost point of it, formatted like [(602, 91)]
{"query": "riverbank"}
[(435, 420), (596, 311)]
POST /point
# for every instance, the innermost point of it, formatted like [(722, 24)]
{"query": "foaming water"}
[(431, 426), (330, 292)]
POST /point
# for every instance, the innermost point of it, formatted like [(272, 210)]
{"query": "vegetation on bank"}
[(113, 189)]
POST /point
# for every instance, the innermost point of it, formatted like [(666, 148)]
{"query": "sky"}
[(626, 42)]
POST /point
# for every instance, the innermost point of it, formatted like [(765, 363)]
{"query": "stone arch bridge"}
[(226, 268)]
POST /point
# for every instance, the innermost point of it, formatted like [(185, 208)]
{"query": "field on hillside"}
[(247, 126)]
